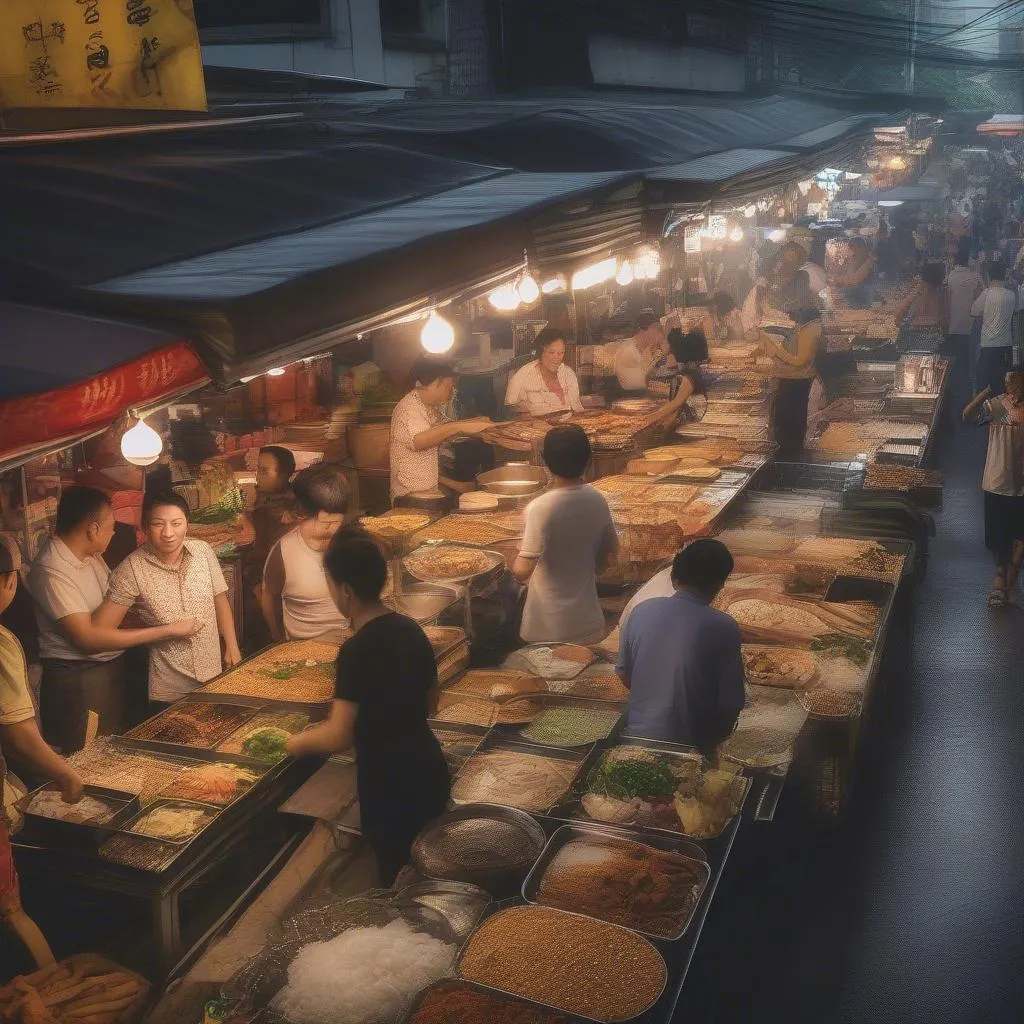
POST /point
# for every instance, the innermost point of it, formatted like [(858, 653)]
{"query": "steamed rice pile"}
[(363, 976)]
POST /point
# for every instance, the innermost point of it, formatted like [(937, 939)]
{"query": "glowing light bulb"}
[(505, 299), (141, 445), (437, 335), (736, 235), (528, 289), (625, 274), (555, 285), (597, 273)]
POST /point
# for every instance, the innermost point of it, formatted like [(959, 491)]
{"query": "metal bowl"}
[(514, 480)]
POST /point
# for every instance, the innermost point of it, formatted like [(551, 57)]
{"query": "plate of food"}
[(451, 563)]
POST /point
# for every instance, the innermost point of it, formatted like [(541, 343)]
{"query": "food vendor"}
[(417, 431), (545, 385), (924, 312), (170, 576), (689, 351), (20, 738), (296, 600), (724, 321), (794, 365), (637, 359), (569, 538), (383, 677), (854, 280), (680, 658), (83, 669)]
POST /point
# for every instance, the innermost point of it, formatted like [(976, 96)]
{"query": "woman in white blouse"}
[(546, 385)]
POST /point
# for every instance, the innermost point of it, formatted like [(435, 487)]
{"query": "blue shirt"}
[(685, 670)]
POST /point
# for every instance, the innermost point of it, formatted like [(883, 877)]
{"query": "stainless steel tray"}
[(551, 1006), (607, 836), (77, 834), (162, 802), (497, 566), (552, 700)]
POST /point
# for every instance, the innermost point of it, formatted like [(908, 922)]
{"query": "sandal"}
[(997, 597)]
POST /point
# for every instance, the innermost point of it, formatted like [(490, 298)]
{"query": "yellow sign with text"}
[(129, 54)]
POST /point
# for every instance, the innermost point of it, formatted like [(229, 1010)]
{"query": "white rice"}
[(363, 976)]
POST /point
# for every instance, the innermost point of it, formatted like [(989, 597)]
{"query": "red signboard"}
[(37, 421)]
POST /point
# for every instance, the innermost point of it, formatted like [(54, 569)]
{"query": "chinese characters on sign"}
[(100, 53)]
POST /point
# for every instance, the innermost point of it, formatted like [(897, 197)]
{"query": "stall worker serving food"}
[(417, 431), (680, 658), (794, 357), (637, 359), (545, 385), (384, 675), (169, 578), (83, 669), (297, 603), (724, 321), (20, 738), (568, 539), (689, 350)]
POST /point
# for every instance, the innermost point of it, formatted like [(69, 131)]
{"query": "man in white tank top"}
[(296, 602)]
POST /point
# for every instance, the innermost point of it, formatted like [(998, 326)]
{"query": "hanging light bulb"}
[(736, 235), (277, 371), (505, 299), (646, 265), (555, 285), (596, 273), (437, 335), (625, 274), (141, 445), (529, 290)]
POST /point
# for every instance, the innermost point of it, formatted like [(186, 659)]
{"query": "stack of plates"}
[(477, 501)]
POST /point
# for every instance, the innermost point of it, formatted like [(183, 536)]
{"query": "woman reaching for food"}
[(690, 351), (383, 677)]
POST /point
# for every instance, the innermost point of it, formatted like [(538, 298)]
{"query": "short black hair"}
[(283, 457), (161, 498), (358, 562), (546, 337), (933, 274), (691, 347), (723, 303), (648, 318), (321, 489), (79, 505), (426, 369), (566, 450), (997, 270), (704, 564)]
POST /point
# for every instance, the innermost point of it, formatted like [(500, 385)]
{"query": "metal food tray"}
[(494, 741), (78, 834), (557, 700), (571, 810), (496, 568), (611, 836), (202, 753), (550, 1006), (125, 829), (493, 993)]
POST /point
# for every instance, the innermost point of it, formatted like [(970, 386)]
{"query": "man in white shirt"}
[(996, 306), (636, 358), (82, 665), (568, 540)]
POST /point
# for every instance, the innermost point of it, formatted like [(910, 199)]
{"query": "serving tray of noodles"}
[(452, 563)]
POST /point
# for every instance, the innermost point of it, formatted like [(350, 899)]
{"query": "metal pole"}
[(912, 47)]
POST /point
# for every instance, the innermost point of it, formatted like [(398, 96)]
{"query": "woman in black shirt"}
[(385, 673)]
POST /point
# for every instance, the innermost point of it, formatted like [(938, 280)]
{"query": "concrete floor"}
[(909, 909)]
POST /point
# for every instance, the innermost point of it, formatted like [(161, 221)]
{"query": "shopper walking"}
[(1003, 479), (996, 306)]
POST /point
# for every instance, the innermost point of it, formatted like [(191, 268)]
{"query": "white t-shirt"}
[(659, 585), (964, 286), (528, 386), (412, 471), (996, 306), (60, 586), (632, 366), (566, 530)]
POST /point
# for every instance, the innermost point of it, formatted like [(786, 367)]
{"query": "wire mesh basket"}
[(480, 844), (460, 903)]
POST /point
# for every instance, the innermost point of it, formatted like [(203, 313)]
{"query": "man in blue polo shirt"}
[(681, 658)]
